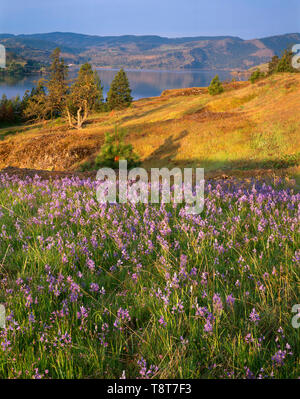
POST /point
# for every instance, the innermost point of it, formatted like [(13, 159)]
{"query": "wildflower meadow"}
[(147, 290)]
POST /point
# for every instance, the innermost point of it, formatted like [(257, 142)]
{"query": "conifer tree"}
[(98, 103), (35, 104), (119, 95), (215, 86), (285, 62), (273, 64), (57, 84)]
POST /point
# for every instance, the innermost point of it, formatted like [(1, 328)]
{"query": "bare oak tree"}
[(83, 95)]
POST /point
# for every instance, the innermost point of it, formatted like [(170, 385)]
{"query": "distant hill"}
[(155, 52)]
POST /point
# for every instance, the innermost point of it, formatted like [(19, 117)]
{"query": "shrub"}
[(115, 149), (283, 64), (256, 75), (215, 86)]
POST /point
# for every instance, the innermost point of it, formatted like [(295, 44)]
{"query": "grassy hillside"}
[(247, 128), (148, 290)]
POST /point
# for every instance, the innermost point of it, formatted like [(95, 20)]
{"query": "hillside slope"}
[(245, 128), (222, 52)]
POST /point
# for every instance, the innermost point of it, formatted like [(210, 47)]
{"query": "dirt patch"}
[(218, 175), (193, 91), (52, 151), (291, 83), (205, 114), (235, 85), (45, 174)]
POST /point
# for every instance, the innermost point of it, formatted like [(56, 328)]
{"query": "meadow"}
[(148, 291)]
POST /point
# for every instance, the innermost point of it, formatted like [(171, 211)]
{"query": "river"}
[(144, 83)]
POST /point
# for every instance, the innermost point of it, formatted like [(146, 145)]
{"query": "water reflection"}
[(144, 83)]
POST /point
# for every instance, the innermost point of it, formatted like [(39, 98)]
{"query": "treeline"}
[(11, 110), (15, 68), (58, 97), (276, 65)]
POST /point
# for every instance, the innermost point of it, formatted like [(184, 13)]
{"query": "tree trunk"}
[(86, 110), (79, 119), (70, 118)]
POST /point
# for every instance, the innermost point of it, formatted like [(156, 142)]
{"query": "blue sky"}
[(172, 18)]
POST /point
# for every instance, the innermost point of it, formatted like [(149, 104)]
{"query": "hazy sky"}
[(172, 18)]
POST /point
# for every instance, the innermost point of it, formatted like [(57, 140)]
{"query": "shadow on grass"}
[(7, 133), (144, 114), (12, 129), (167, 152), (168, 149)]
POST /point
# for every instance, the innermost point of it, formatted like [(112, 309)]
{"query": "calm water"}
[(144, 83)]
